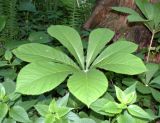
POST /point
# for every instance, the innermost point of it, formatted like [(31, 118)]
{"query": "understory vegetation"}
[(54, 71)]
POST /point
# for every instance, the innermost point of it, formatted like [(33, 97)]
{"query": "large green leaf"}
[(88, 86), (97, 40), (3, 110), (19, 114), (123, 63), (69, 37), (34, 52), (119, 46), (138, 112), (37, 78)]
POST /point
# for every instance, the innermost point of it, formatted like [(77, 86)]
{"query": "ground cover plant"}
[(53, 71)]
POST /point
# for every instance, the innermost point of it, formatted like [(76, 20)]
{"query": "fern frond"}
[(9, 10)]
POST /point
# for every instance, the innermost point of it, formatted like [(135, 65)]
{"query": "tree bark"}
[(103, 16)]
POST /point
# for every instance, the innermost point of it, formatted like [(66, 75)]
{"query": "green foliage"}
[(9, 11), (150, 18), (125, 110), (46, 67), (149, 81)]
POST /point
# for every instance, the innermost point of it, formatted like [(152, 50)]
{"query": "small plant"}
[(10, 111), (150, 17), (49, 66), (148, 82), (125, 111), (55, 112)]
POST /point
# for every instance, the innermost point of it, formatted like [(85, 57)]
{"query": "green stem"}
[(150, 45)]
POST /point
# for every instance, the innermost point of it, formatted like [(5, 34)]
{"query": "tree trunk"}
[(103, 16)]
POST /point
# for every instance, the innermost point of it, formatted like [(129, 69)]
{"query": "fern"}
[(9, 10), (77, 11)]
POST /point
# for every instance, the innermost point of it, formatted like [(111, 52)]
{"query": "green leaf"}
[(156, 80), (70, 38), (2, 22), (42, 109), (123, 63), (19, 114), (113, 107), (151, 70), (120, 94), (138, 112), (39, 37), (140, 4), (49, 118), (97, 40), (98, 106), (124, 10), (117, 47), (63, 101), (88, 86), (155, 94), (28, 104), (136, 18), (84, 120), (2, 92), (156, 14), (9, 121), (125, 118), (3, 110), (149, 9), (34, 52), (8, 55), (37, 78)]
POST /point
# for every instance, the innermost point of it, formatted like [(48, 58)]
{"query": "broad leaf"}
[(42, 109), (37, 78), (155, 94), (119, 46), (70, 38), (3, 110), (7, 120), (97, 40), (34, 52), (19, 114), (98, 106), (88, 86), (136, 18), (138, 112), (113, 107), (156, 80), (151, 70), (123, 63), (140, 4), (125, 118), (84, 120), (39, 37), (125, 10)]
